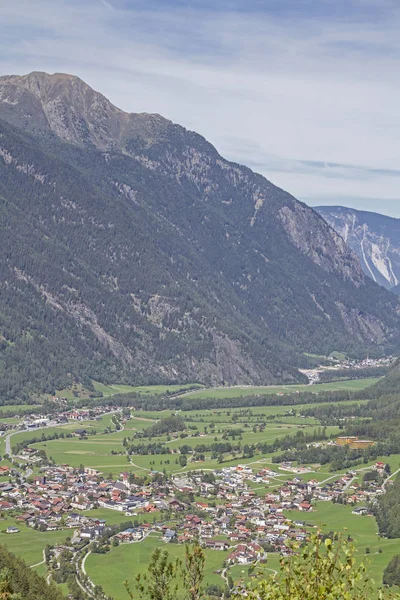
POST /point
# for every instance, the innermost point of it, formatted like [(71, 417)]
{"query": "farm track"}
[(83, 562), (39, 563)]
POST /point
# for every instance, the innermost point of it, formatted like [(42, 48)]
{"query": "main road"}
[(9, 435)]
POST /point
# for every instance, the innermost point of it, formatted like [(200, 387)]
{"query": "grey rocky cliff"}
[(373, 237)]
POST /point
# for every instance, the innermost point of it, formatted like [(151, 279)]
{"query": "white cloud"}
[(274, 91)]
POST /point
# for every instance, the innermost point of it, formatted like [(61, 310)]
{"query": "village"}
[(248, 510), (231, 516)]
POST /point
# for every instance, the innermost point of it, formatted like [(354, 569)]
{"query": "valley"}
[(188, 354), (96, 483)]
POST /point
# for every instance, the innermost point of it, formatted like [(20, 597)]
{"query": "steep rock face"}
[(373, 237), (135, 252), (325, 249)]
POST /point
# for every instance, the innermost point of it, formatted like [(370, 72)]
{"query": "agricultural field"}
[(224, 415), (77, 392), (98, 451), (105, 451), (17, 409), (241, 391), (146, 390), (70, 427)]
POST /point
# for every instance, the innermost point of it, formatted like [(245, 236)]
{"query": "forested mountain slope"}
[(19, 581), (374, 238), (133, 251)]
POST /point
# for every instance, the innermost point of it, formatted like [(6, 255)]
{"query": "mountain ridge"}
[(66, 105), (145, 256)]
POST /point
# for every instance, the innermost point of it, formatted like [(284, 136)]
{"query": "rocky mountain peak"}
[(68, 107), (44, 84)]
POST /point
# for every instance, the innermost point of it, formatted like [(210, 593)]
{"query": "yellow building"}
[(346, 440), (360, 444), (353, 442)]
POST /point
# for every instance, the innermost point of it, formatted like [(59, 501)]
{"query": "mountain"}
[(133, 252), (373, 237)]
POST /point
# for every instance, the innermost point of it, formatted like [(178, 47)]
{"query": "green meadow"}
[(29, 543), (17, 409), (77, 391), (105, 452), (240, 391), (147, 390), (247, 414)]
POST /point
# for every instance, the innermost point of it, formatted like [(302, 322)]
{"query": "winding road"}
[(10, 435), (389, 478)]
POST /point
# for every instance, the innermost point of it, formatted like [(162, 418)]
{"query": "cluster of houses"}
[(233, 517), (230, 507), (39, 420), (48, 501)]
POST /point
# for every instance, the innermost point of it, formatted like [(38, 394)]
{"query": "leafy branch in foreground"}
[(322, 570), (192, 572), (161, 582)]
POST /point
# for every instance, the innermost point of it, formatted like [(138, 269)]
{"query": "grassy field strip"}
[(17, 408), (224, 414), (111, 390), (240, 391)]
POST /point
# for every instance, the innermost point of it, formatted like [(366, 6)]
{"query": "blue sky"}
[(306, 92)]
